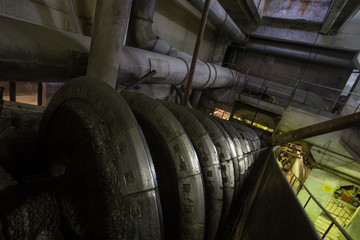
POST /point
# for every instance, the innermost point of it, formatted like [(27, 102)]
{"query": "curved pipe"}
[(182, 155), (142, 32), (219, 17), (227, 165), (209, 162), (233, 154)]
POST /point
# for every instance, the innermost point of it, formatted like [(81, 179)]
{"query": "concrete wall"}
[(315, 183), (353, 227), (348, 37), (177, 23), (53, 13)]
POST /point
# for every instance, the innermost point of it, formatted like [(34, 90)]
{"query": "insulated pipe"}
[(48, 54), (109, 31), (182, 155), (219, 17), (225, 158), (142, 32), (233, 154), (302, 54), (135, 63), (232, 133), (209, 162)]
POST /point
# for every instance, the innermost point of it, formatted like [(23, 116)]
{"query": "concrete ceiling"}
[(306, 16)]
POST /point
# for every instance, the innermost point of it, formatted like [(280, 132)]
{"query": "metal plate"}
[(209, 162), (240, 160), (104, 178), (233, 157), (247, 140), (226, 161), (178, 151)]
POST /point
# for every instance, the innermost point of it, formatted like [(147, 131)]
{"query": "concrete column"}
[(108, 37)]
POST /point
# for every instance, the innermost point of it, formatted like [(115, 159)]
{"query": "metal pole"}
[(1, 98), (40, 93), (109, 31), (333, 125), (327, 230), (139, 81), (12, 90), (196, 51), (307, 202)]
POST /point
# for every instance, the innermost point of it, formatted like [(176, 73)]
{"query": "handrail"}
[(330, 91), (310, 83), (333, 220)]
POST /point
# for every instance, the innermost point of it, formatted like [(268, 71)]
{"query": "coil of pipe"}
[(145, 168)]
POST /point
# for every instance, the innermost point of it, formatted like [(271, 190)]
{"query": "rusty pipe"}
[(199, 38), (333, 125)]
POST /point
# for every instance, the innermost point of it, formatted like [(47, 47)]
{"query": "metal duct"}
[(330, 57), (47, 54), (219, 17)]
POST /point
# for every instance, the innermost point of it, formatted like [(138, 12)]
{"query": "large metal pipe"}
[(219, 17), (209, 162), (109, 31), (47, 54), (142, 32), (332, 58), (333, 125)]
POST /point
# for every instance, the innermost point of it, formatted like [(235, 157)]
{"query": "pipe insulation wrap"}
[(26, 42), (219, 17)]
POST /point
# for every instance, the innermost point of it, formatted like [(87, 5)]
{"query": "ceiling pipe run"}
[(142, 32), (219, 17), (331, 58), (48, 54)]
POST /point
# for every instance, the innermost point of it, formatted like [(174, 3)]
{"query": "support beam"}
[(351, 8), (339, 174), (336, 8), (109, 31), (333, 125), (196, 51), (40, 94), (12, 91)]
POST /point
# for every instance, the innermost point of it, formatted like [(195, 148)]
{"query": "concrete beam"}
[(335, 10), (349, 10)]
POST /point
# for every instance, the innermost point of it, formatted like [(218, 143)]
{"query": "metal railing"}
[(316, 96), (312, 197)]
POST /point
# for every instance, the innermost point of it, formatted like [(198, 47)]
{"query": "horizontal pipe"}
[(44, 48), (333, 125), (332, 58)]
